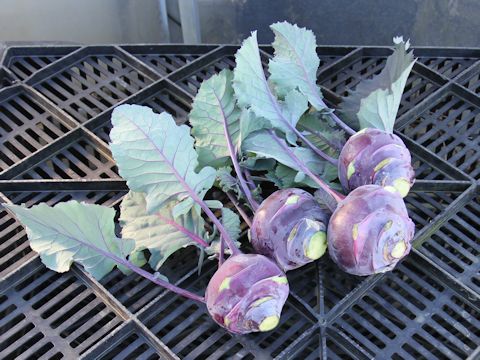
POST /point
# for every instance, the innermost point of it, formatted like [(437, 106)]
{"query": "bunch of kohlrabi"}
[(249, 131)]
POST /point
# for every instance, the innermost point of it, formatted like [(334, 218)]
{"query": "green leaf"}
[(253, 91), (213, 113), (263, 145), (258, 163), (157, 157), (157, 232), (231, 223), (321, 133), (250, 123), (214, 204), (295, 62), (74, 232), (375, 102)]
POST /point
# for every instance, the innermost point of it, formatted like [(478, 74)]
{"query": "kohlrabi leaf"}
[(263, 145), (231, 222), (250, 123), (295, 62), (157, 157), (253, 91), (227, 182), (374, 103), (214, 117), (74, 232), (258, 163), (325, 136), (159, 233)]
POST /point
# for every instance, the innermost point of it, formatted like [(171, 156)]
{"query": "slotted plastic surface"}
[(54, 127)]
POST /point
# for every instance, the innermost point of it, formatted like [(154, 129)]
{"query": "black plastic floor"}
[(55, 106)]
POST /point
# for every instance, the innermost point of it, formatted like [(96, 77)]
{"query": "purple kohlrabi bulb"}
[(370, 231), (247, 293), (290, 228), (373, 156)]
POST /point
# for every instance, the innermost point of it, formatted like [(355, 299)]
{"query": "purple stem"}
[(337, 196), (315, 149), (242, 213), (340, 123), (143, 273), (182, 229), (250, 182), (323, 138), (233, 155), (221, 254)]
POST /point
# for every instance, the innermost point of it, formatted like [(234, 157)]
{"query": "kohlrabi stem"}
[(143, 273), (248, 177), (216, 222), (233, 156), (340, 123), (242, 213), (182, 229), (221, 253), (337, 196), (315, 149)]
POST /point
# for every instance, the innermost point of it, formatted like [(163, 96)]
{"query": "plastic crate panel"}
[(92, 85), (26, 61), (191, 83), (84, 158), (450, 128), (164, 100), (14, 247), (26, 126), (135, 292), (455, 247), (418, 87), (132, 347), (410, 315), (447, 66), (47, 315)]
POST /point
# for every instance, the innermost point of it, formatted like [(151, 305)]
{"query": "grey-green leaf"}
[(253, 91), (295, 62), (374, 103), (213, 117), (157, 157), (158, 232), (74, 232), (263, 145), (321, 133), (250, 123), (231, 222)]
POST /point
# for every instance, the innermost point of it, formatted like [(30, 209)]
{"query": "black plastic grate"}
[(411, 315), (451, 129), (25, 126), (32, 325), (92, 84), (426, 309), (25, 61), (456, 248)]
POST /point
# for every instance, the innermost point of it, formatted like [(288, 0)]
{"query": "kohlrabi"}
[(247, 293), (290, 227), (375, 155), (370, 231)]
